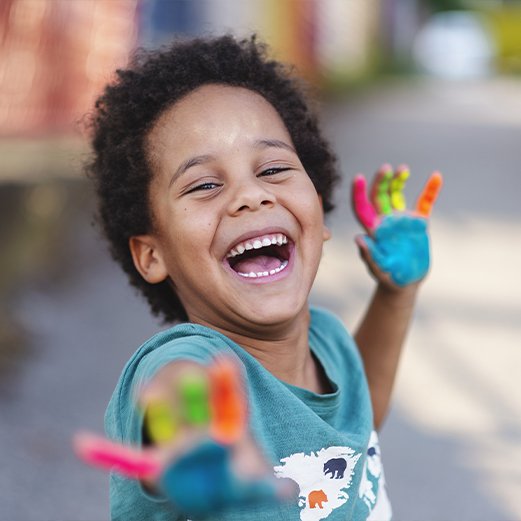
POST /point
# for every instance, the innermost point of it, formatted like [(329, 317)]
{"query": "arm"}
[(380, 338), (396, 251)]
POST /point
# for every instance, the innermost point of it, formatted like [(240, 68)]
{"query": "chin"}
[(277, 315)]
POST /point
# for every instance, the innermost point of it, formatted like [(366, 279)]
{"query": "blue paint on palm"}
[(401, 248), (202, 482)]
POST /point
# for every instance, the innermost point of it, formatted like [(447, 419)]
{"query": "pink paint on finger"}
[(364, 210), (103, 453)]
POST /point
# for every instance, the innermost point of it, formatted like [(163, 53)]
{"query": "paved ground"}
[(451, 442)]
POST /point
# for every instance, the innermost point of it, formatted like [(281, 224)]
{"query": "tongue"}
[(257, 264)]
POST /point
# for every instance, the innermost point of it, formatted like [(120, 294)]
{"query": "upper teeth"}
[(257, 243)]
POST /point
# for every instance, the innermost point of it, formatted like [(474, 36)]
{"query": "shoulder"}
[(182, 342), (321, 316), (332, 343), (327, 326)]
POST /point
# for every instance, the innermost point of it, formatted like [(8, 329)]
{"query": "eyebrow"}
[(189, 163), (275, 143), (205, 158)]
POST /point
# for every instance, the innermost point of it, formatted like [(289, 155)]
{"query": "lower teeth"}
[(264, 273)]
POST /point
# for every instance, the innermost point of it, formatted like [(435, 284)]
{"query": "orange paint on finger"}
[(227, 401), (429, 195)]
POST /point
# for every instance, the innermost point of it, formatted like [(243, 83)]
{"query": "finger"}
[(429, 194), (380, 190), (372, 255), (103, 453), (380, 265), (397, 185), (377, 272), (175, 400), (362, 207), (365, 254), (161, 422), (228, 402), (195, 399)]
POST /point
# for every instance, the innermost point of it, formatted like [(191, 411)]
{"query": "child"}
[(213, 180)]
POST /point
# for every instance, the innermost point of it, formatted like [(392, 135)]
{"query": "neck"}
[(285, 353), (287, 357)]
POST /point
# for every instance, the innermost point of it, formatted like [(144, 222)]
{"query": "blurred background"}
[(432, 83)]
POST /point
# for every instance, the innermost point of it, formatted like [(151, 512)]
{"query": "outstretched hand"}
[(202, 458), (396, 245)]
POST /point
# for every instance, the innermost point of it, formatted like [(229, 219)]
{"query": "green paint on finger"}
[(195, 403), (382, 193)]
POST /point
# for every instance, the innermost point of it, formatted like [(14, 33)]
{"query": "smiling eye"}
[(202, 187), (273, 171)]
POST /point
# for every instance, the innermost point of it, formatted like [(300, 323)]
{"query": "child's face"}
[(227, 177)]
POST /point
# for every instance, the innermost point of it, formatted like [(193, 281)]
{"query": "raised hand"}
[(396, 247), (203, 458)]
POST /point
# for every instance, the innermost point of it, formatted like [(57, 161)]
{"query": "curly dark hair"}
[(129, 108)]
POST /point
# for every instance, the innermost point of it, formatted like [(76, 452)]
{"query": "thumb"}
[(371, 254), (374, 259)]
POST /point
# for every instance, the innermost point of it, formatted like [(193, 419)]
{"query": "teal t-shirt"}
[(324, 443)]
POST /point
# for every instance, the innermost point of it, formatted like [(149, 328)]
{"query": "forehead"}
[(217, 110)]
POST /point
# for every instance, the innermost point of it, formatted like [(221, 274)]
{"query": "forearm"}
[(380, 338)]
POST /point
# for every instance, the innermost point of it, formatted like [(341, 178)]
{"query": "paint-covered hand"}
[(202, 457), (396, 244)]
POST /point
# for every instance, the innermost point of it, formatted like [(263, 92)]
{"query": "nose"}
[(251, 195)]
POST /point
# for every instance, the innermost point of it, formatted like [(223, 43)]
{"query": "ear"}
[(147, 258), (326, 233)]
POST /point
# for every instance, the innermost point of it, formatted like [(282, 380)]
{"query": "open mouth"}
[(259, 257)]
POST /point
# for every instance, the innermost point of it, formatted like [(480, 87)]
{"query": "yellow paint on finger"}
[(160, 421), (397, 185)]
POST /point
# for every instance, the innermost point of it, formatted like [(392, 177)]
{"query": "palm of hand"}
[(401, 248), (199, 432), (397, 240)]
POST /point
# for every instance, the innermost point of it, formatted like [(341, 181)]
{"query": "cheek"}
[(306, 193), (314, 213), (193, 231)]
